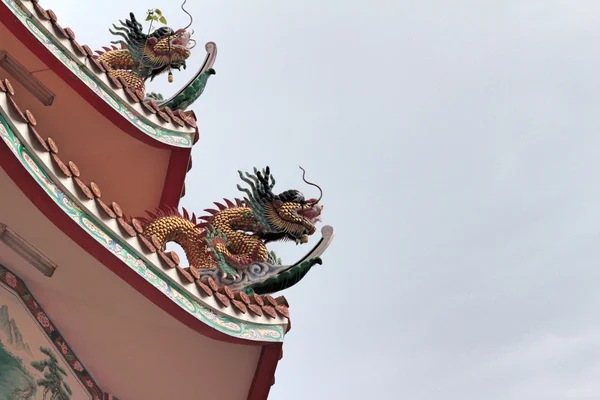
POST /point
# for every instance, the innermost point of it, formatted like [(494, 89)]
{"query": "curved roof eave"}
[(15, 168), (24, 164), (142, 120), (71, 69)]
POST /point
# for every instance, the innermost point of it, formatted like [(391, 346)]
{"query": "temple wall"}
[(32, 350)]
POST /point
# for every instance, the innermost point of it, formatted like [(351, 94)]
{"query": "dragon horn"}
[(312, 184), (185, 11)]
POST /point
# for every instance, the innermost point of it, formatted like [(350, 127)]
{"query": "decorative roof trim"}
[(15, 284), (90, 72), (206, 301)]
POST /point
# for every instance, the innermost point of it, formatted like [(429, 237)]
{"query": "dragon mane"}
[(135, 40)]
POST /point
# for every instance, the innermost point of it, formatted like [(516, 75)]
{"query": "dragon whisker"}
[(312, 184)]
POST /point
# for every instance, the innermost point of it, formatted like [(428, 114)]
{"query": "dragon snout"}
[(312, 213), (182, 39)]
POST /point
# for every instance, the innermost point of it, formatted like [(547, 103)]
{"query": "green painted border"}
[(173, 138), (229, 326)]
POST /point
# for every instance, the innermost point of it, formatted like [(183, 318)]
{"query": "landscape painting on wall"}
[(31, 368)]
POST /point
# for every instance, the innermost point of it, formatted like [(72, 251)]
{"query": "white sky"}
[(457, 144)]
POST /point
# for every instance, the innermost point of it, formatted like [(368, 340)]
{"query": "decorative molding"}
[(26, 250), (83, 73), (124, 252), (29, 82), (17, 286)]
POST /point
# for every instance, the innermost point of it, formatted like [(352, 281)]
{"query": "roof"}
[(131, 227), (86, 56), (57, 47), (253, 312)]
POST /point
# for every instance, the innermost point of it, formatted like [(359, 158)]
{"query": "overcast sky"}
[(458, 146)]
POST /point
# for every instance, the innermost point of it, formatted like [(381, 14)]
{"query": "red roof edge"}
[(264, 376), (175, 178)]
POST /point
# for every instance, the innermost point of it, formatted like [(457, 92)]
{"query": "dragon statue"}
[(231, 241), (142, 56)]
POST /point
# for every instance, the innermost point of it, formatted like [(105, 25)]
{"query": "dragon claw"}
[(233, 277)]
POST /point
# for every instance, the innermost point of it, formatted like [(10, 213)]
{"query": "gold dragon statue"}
[(234, 235), (143, 56)]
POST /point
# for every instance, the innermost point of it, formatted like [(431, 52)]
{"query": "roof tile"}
[(116, 208), (61, 165), (269, 299), (96, 63), (115, 82), (95, 189), (52, 15), (155, 242), (40, 11), (79, 48), (270, 311), (256, 299), (205, 289), (154, 105), (283, 310), (242, 297), (88, 51), (166, 259), (227, 292), (130, 94), (148, 106), (140, 96), (106, 208), (74, 169), (126, 227), (39, 139), (8, 87), (52, 145), (16, 109), (255, 309), (60, 30), (211, 282), (184, 274), (30, 118), (84, 189), (224, 300), (146, 243), (165, 117), (239, 306), (70, 33)]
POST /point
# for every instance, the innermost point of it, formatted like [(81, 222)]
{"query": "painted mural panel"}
[(31, 368)]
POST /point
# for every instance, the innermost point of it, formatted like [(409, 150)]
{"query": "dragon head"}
[(284, 216), (155, 52), (168, 47)]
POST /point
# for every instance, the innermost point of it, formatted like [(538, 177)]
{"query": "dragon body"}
[(235, 234), (143, 56)]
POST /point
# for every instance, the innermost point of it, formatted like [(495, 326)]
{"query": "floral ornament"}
[(63, 348), (77, 366), (11, 280), (89, 382), (44, 321)]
